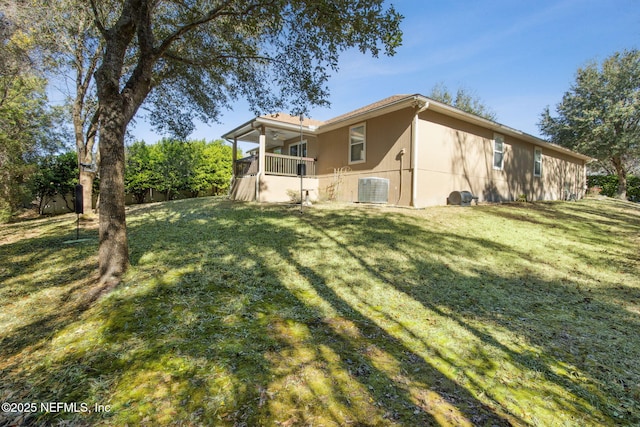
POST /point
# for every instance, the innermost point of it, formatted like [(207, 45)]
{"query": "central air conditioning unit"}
[(373, 190)]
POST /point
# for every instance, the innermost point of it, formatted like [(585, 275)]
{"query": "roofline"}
[(448, 110), (257, 122), (420, 102), (248, 125), (398, 104)]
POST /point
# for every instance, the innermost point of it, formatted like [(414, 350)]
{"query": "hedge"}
[(608, 185)]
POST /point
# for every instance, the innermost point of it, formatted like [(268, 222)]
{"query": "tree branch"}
[(94, 124), (208, 17), (187, 61), (99, 24)]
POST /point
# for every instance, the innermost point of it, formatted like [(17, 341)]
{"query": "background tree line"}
[(175, 166), (29, 127), (607, 185), (172, 167)]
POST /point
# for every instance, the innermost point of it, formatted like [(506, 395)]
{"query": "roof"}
[(293, 120), (367, 108), (387, 105), (396, 102)]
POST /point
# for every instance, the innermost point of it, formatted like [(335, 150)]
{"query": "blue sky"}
[(516, 56)]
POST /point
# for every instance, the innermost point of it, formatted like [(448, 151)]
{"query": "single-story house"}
[(406, 150)]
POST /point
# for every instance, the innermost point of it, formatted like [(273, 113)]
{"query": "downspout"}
[(401, 155), (585, 185), (421, 106)]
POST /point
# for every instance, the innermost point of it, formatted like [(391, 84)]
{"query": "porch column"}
[(234, 156), (261, 159), (261, 150)]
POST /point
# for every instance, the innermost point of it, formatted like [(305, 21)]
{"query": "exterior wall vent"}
[(373, 190)]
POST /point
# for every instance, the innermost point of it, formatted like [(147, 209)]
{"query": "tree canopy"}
[(191, 59), (464, 100), (600, 114), (68, 49), (28, 126), (55, 175)]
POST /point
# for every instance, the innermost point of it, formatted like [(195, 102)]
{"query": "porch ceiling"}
[(277, 129), (275, 137)]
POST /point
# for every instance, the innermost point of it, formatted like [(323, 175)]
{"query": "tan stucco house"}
[(406, 150)]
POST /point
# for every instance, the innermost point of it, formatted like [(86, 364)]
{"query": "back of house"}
[(406, 150)]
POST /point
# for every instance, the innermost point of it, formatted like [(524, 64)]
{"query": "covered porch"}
[(285, 146)]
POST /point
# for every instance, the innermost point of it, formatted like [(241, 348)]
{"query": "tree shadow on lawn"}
[(576, 330), (584, 220), (43, 281), (251, 320), (593, 236), (258, 239)]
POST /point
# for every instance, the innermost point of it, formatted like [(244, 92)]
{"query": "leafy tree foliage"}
[(213, 167), (174, 161), (600, 115), (608, 185), (55, 175), (69, 50), (139, 172), (464, 100), (173, 166), (191, 59), (28, 126)]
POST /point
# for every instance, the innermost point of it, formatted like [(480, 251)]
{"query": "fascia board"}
[(282, 125), (500, 128), (240, 131), (410, 101)]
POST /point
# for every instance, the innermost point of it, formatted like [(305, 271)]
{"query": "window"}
[(357, 143), (299, 149), (498, 152), (537, 162)]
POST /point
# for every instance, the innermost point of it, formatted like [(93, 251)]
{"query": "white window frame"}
[(498, 139), (298, 144), (537, 160), (363, 125)]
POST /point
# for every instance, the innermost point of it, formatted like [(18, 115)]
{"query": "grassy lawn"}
[(240, 314)]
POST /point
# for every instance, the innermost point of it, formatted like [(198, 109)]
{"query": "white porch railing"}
[(279, 164), (275, 164)]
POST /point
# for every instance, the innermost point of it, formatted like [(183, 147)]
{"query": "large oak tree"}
[(600, 115), (191, 58)]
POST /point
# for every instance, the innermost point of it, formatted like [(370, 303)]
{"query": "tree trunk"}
[(622, 185), (113, 257), (86, 180), (622, 178), (115, 112)]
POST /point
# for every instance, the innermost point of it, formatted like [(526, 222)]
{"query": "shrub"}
[(608, 185)]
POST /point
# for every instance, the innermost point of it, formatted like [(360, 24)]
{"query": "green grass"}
[(241, 314)]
